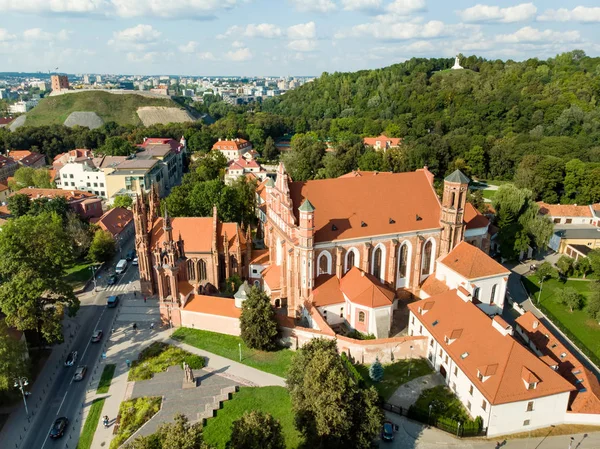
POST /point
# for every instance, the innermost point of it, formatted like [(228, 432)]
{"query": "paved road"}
[(66, 397)]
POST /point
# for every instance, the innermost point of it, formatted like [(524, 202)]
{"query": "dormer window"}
[(464, 355), (479, 376), (532, 385), (563, 355)]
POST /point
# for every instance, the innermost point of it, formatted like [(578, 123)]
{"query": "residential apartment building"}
[(83, 176), (382, 142), (21, 107), (84, 204), (246, 165), (8, 167)]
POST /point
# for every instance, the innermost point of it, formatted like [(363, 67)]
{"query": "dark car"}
[(59, 427), (130, 256), (97, 336), (80, 373), (71, 359), (112, 301), (387, 431), (112, 279)]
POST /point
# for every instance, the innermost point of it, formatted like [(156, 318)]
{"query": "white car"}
[(135, 262)]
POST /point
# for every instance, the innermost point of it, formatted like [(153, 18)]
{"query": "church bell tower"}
[(456, 188)]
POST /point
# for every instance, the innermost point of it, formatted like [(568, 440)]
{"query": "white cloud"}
[(358, 5), (266, 30), (532, 35), (139, 38), (206, 56), (37, 34), (6, 36), (406, 7), (486, 13), (190, 47), (148, 57), (581, 14), (302, 45), (239, 55), (54, 6), (314, 5), (420, 47), (237, 44), (398, 30), (302, 31)]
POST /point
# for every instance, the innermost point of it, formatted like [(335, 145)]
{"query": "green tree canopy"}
[(256, 430), (270, 151), (571, 298), (116, 146), (102, 248), (124, 201), (179, 434), (257, 321), (19, 204), (545, 271), (13, 361), (31, 177)]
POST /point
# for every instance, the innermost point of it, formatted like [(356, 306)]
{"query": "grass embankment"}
[(578, 325), (91, 423), (395, 374), (79, 274), (157, 357), (272, 400), (444, 404), (274, 362), (118, 108), (134, 414), (106, 379)]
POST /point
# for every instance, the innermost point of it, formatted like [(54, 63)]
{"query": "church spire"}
[(167, 228)]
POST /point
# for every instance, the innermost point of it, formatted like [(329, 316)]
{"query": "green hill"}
[(119, 108)]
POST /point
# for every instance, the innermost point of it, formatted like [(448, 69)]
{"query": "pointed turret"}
[(154, 207), (167, 227)]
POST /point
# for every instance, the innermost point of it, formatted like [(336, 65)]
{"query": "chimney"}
[(502, 326), (362, 274), (536, 324)]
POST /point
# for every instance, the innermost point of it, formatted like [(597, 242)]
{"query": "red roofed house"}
[(244, 165), (382, 142), (185, 257), (232, 149), (490, 372), (28, 158), (83, 203), (8, 167), (570, 213), (77, 155), (477, 230), (4, 192), (119, 222)]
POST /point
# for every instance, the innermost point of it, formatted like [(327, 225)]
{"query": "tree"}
[(18, 204), (565, 264), (13, 361), (593, 301), (179, 434), (58, 205), (124, 201), (102, 248), (116, 146), (594, 258), (80, 232), (545, 271), (210, 167), (305, 157), (331, 410), (270, 151), (376, 371), (33, 295), (570, 298), (256, 430), (583, 266), (257, 321)]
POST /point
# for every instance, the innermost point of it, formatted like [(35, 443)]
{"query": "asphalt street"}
[(66, 396)]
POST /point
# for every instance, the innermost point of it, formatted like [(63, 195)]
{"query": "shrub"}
[(376, 371)]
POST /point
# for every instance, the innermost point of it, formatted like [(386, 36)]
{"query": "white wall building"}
[(82, 176)]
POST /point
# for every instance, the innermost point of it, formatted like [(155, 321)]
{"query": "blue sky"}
[(281, 37)]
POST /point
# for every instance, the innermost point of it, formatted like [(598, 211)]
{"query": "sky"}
[(281, 37)]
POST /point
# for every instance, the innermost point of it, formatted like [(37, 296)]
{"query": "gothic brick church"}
[(184, 256)]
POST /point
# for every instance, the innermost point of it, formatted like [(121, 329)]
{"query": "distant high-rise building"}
[(98, 79), (86, 79), (59, 82)]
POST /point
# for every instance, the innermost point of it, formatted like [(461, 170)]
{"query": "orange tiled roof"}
[(473, 218), (365, 289), (17, 155), (185, 288), (272, 277), (260, 257), (70, 195), (3, 187), (564, 210), (586, 398), (235, 236), (433, 286), (481, 345), (383, 139), (357, 207), (327, 291), (235, 144), (359, 173), (261, 189), (115, 220), (472, 263), (212, 305), (196, 233)]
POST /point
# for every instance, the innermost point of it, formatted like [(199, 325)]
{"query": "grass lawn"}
[(274, 362), (489, 194), (134, 414), (91, 423), (578, 322), (273, 400), (445, 403), (106, 378), (395, 374), (79, 274), (157, 357)]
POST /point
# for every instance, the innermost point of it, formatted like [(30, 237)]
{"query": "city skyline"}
[(291, 37)]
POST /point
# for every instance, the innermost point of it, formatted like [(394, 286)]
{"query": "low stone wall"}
[(582, 418), (213, 323)]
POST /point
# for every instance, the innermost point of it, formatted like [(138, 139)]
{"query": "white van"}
[(121, 266)]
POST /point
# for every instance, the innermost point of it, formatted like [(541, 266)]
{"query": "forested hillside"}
[(483, 119)]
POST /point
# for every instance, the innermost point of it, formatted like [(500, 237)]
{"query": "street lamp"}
[(410, 361), (21, 382), (429, 419), (240, 347), (93, 267), (540, 292), (571, 442)]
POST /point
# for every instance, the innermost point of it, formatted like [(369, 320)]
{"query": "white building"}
[(82, 176), (232, 149), (570, 213), (491, 373), (22, 107), (245, 165)]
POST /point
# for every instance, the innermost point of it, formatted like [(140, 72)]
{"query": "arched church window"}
[(361, 317), (233, 263), (427, 250), (493, 295), (202, 270), (377, 262), (191, 266), (403, 261), (452, 199), (351, 258), (476, 293), (323, 265)]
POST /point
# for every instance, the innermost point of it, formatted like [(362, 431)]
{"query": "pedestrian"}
[(134, 294), (151, 326), (144, 300), (128, 363)]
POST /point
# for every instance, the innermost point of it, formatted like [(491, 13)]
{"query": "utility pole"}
[(21, 382)]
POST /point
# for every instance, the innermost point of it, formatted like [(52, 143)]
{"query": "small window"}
[(469, 405), (476, 293), (254, 271), (480, 376), (569, 221), (64, 175), (341, 312), (531, 386), (431, 343), (420, 329), (71, 176), (456, 371), (435, 323), (446, 359), (413, 320), (361, 317), (102, 193), (526, 422), (471, 390), (454, 386), (484, 406), (440, 352), (101, 184), (72, 184), (95, 184), (88, 184)]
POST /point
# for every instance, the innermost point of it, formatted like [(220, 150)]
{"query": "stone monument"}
[(456, 65), (189, 381)]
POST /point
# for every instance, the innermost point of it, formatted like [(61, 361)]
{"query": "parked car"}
[(112, 279), (135, 262), (112, 301), (387, 431), (130, 255), (59, 427), (71, 359), (97, 336), (121, 266), (80, 373)]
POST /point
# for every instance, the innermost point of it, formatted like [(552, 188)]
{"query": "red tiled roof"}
[(260, 257), (433, 286), (327, 291), (3, 187), (196, 232), (383, 140), (151, 141), (70, 195), (236, 144), (359, 173), (472, 263), (272, 277), (212, 305), (115, 220), (235, 236), (362, 206), (242, 163), (473, 218), (586, 398), (261, 189), (5, 120), (365, 289), (564, 210), (481, 345)]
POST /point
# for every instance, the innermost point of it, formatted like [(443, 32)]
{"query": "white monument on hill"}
[(457, 65)]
